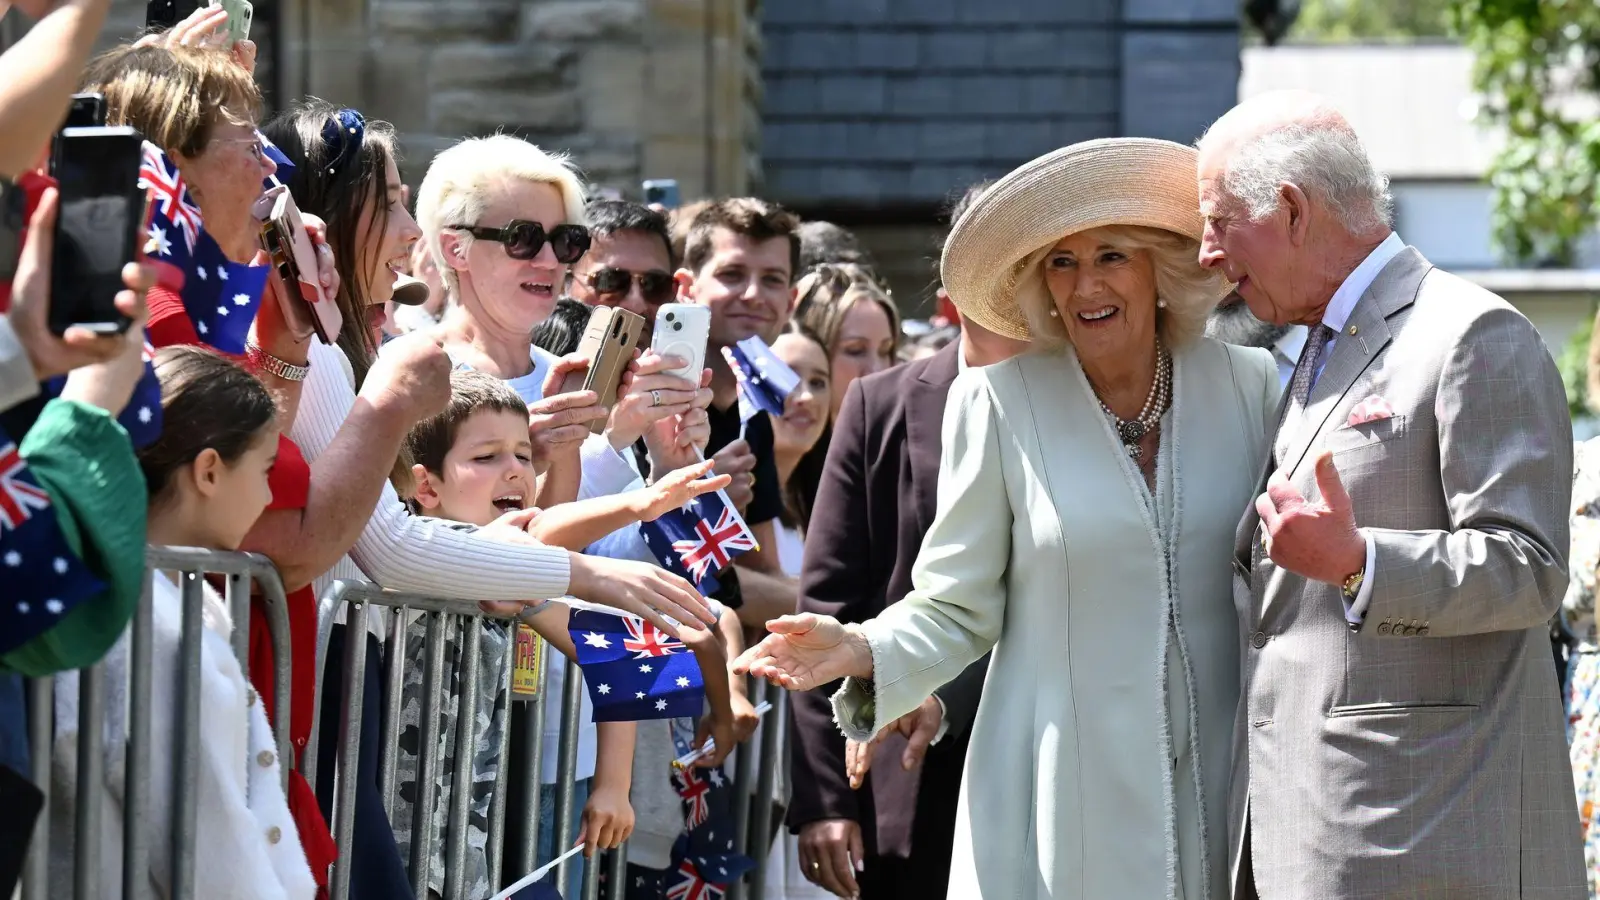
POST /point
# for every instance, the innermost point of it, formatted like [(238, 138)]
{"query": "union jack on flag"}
[(45, 579), (645, 640), (699, 540), (18, 498), (690, 886), (159, 175), (693, 788)]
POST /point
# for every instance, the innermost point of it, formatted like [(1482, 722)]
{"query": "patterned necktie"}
[(1305, 371)]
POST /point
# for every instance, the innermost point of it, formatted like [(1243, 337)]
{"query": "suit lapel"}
[(925, 401), (1365, 335)]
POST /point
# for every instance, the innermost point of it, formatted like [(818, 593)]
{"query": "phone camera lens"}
[(672, 317), (677, 326)]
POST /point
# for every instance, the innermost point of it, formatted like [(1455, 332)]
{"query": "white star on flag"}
[(241, 299), (645, 668), (23, 607), (661, 704), (222, 311), (159, 244), (201, 327), (60, 566), (639, 696), (597, 640), (13, 558), (604, 689), (145, 415), (222, 273), (53, 606), (201, 272), (682, 681), (716, 778)]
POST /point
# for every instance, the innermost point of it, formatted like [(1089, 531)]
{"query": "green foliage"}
[(1533, 59), (1574, 365), (1346, 21)]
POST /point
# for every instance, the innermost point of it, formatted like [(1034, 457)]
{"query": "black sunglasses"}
[(655, 286), (524, 240)]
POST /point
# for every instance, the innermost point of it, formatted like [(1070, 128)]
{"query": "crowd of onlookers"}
[(432, 447)]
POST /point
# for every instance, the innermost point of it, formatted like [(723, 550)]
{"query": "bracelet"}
[(263, 361)]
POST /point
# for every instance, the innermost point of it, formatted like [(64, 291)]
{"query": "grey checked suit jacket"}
[(1423, 754)]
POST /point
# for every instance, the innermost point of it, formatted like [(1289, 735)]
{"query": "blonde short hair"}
[(1189, 291), (175, 96), (456, 189)]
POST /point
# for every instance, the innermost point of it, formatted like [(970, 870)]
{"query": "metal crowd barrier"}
[(191, 564)]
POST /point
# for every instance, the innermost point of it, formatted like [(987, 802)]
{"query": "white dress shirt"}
[(1286, 353), (1335, 316)]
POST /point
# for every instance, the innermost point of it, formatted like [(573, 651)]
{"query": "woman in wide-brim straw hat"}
[(1087, 505)]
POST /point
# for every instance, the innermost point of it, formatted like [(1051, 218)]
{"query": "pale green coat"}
[(1099, 761)]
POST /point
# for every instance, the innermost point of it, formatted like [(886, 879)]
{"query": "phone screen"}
[(98, 227)]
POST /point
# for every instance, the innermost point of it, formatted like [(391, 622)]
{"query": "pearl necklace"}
[(1132, 431)]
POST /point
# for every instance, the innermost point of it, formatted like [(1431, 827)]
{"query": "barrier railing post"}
[(533, 739), (760, 840), (135, 836), (567, 764), (237, 595), (394, 686), (617, 872), (41, 727), (91, 775), (744, 762), (502, 773), (591, 875), (348, 770), (187, 759), (422, 815), (465, 756)]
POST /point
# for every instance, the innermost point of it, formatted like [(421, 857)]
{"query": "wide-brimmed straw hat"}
[(1112, 181)]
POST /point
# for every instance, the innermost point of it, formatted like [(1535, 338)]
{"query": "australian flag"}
[(765, 381), (285, 167), (699, 540), (634, 670), (221, 296), (705, 858), (44, 578)]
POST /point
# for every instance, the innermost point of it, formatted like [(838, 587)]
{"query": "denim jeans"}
[(547, 832)]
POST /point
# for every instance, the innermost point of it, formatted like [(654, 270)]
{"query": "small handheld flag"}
[(765, 381), (44, 578), (634, 671), (699, 540)]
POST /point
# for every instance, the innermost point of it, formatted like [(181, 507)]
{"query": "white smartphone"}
[(240, 14), (681, 330)]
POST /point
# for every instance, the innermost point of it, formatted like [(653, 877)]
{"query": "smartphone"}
[(306, 307), (607, 343), (662, 191), (100, 226), (159, 15), (86, 111), (681, 330), (240, 15)]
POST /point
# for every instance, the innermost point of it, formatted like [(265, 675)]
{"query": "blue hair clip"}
[(343, 133)]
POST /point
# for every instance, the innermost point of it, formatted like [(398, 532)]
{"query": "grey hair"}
[(1189, 291), (1327, 162)]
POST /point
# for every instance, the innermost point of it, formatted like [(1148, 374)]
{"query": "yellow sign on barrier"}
[(530, 653)]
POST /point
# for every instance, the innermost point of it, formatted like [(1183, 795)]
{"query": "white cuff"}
[(944, 721), (1356, 610), (605, 471)]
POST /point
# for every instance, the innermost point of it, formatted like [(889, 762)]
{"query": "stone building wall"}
[(633, 89)]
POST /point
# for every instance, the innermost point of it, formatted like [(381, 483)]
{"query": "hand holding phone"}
[(682, 330), (306, 307)]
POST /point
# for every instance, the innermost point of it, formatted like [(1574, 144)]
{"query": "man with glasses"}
[(629, 263)]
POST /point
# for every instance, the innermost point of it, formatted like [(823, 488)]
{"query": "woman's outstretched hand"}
[(807, 651)]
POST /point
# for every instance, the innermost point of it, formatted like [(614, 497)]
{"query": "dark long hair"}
[(800, 491), (335, 180), (207, 401)]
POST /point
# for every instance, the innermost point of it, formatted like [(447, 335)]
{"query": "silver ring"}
[(655, 398)]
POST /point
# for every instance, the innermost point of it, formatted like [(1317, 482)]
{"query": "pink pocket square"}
[(1372, 409)]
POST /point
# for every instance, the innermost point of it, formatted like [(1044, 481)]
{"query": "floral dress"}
[(1583, 678)]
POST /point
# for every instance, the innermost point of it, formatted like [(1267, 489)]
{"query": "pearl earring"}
[(1055, 314), (1162, 304)]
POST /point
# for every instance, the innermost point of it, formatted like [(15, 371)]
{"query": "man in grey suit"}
[(1400, 732)]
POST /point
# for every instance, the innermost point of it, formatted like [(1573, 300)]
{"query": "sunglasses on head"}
[(524, 240), (655, 286)]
